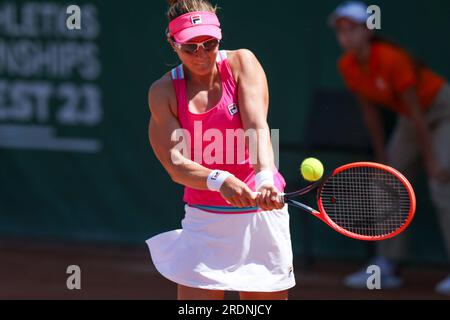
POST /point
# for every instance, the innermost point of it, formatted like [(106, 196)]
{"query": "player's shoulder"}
[(160, 93), (242, 62), (241, 57), (162, 85)]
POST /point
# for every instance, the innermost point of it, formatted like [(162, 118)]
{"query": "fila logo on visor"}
[(233, 109), (196, 20)]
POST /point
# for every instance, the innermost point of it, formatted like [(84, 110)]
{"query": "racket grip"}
[(282, 194)]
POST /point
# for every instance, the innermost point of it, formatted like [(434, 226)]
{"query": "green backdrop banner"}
[(74, 152)]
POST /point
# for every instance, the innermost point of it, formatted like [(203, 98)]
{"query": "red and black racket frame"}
[(322, 215)]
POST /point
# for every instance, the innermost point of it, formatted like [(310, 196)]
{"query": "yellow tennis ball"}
[(311, 169)]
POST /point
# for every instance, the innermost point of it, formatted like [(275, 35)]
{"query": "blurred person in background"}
[(381, 73)]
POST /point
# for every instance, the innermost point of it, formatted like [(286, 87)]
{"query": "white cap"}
[(355, 11)]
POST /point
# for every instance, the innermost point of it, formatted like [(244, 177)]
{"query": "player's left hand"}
[(269, 198)]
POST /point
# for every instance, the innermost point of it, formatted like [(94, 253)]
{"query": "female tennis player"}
[(232, 237), (380, 73)]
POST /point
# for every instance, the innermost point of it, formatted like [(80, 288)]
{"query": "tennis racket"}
[(363, 200)]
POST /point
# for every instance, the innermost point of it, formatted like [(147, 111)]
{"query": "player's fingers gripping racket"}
[(364, 201)]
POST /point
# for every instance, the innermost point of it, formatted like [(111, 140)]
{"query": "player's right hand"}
[(269, 198), (237, 193)]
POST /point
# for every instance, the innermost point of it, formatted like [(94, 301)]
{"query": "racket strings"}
[(366, 201)]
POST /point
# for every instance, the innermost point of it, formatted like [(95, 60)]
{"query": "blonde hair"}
[(180, 7)]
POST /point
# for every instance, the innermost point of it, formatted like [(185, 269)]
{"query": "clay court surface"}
[(38, 271)]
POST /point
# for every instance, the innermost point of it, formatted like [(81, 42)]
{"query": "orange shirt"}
[(390, 72)]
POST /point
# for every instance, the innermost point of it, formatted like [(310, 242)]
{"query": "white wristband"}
[(264, 177), (216, 178)]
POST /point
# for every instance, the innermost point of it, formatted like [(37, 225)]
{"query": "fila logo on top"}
[(233, 109), (197, 19)]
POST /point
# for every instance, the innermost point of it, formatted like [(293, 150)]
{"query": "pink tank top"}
[(225, 115)]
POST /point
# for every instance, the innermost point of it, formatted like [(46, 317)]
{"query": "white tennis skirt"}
[(237, 252)]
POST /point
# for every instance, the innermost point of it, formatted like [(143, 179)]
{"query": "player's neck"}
[(205, 81)]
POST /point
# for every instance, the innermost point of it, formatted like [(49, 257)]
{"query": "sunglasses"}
[(190, 48)]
